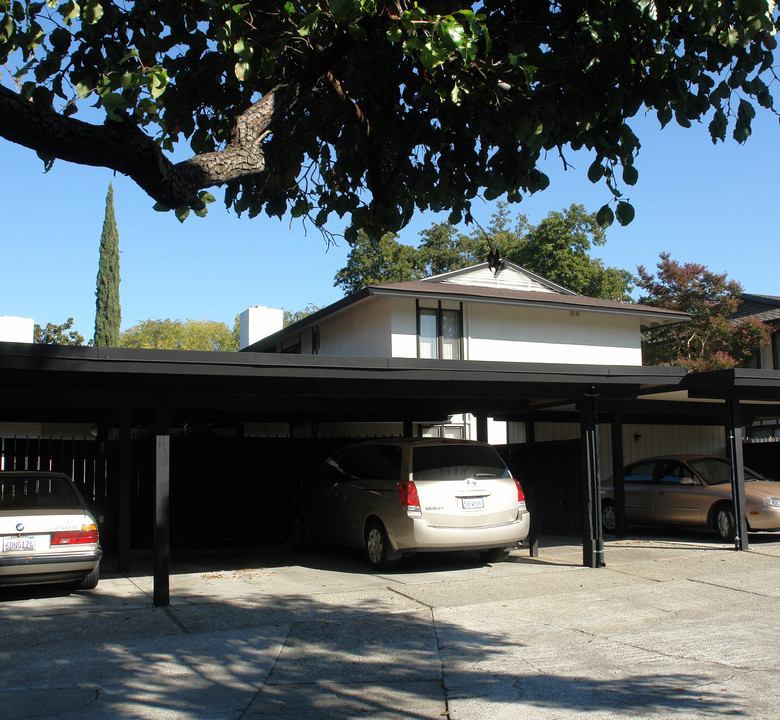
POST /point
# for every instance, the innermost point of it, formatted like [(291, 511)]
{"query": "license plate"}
[(18, 543), (473, 503)]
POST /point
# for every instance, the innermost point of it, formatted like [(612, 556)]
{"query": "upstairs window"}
[(440, 332)]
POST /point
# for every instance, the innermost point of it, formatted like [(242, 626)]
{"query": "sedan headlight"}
[(772, 501)]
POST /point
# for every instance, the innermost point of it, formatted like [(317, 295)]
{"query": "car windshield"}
[(716, 471), (26, 493), (457, 462)]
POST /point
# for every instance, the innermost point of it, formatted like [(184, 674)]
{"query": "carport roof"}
[(50, 382)]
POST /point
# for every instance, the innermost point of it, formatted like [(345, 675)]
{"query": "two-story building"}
[(480, 313)]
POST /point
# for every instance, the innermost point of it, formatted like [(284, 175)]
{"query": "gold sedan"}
[(691, 490)]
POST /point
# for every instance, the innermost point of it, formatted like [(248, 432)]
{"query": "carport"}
[(156, 390)]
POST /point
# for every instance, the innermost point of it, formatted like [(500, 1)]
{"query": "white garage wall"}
[(639, 440)]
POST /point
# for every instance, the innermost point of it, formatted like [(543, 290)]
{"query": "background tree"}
[(108, 310), (180, 335), (384, 261), (710, 341), (373, 110), (289, 317), (57, 334), (558, 249)]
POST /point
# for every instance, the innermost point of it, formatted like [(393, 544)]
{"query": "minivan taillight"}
[(410, 500), (520, 494), (87, 534)]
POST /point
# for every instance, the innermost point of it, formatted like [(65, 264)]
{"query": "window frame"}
[(439, 311)]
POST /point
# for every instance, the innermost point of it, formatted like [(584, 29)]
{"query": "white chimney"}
[(16, 329), (259, 322)]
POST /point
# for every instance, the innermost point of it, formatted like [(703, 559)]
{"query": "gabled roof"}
[(507, 274), (762, 307), (470, 285)]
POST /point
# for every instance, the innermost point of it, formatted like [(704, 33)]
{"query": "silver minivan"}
[(398, 496)]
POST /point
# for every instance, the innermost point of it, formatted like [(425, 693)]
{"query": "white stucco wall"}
[(506, 333), (403, 327), (364, 330)]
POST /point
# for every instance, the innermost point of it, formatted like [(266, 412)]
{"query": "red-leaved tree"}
[(711, 341)]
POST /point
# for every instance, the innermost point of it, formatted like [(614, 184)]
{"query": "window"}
[(440, 332), (361, 462), (453, 432)]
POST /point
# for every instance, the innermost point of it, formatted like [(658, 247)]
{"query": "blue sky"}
[(702, 203)]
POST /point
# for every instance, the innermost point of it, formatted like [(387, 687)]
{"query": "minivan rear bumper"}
[(417, 535)]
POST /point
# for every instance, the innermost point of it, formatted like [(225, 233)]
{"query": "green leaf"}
[(451, 33), (718, 126), (69, 11), (605, 217), (624, 212), (341, 9), (113, 102), (243, 49), (60, 40), (357, 32), (206, 197), (93, 11), (158, 82), (243, 70), (595, 171), (182, 213), (630, 175), (159, 207), (664, 115)]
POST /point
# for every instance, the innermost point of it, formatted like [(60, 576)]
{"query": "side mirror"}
[(687, 481)]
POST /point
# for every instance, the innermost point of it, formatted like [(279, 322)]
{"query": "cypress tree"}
[(108, 312)]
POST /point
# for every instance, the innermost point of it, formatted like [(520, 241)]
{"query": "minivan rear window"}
[(457, 462), (370, 462)]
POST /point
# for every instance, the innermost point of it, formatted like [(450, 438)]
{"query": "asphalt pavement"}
[(670, 628)]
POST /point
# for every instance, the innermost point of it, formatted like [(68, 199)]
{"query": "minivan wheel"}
[(494, 555), (725, 525), (377, 546), (608, 516)]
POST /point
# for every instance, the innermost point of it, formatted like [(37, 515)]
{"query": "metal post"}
[(592, 537), (734, 444), (125, 490), (482, 428), (533, 534), (162, 506)]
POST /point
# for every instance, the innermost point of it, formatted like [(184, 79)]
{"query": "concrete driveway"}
[(669, 629)]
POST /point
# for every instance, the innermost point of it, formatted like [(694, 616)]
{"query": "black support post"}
[(533, 535), (162, 505), (734, 443), (482, 428), (592, 538), (125, 490)]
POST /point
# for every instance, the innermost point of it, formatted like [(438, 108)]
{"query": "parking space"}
[(678, 627)]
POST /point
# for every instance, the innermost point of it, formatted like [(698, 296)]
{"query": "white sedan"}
[(47, 534)]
